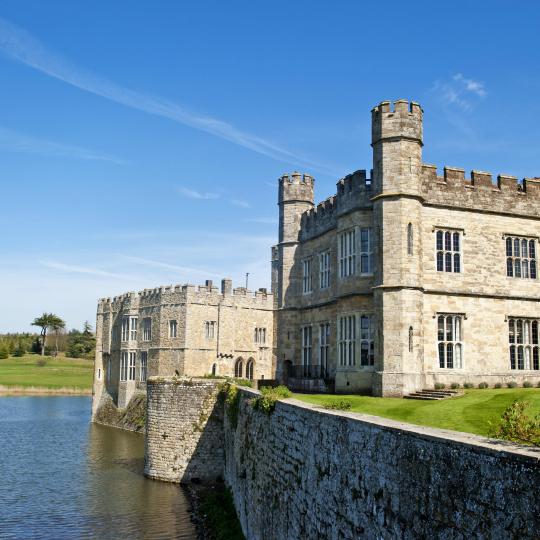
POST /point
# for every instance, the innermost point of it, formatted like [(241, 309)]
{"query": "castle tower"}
[(397, 210), (295, 198)]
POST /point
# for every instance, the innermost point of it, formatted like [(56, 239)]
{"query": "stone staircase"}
[(432, 395)]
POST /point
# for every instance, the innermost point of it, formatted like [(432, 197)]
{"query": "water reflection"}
[(63, 478)]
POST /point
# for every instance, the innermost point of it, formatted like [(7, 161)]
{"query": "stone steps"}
[(432, 395)]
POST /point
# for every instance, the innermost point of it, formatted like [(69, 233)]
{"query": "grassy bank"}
[(471, 412), (57, 375)]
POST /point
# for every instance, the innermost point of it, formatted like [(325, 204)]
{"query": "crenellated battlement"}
[(479, 191), (399, 120), (186, 292), (297, 178), (296, 188)]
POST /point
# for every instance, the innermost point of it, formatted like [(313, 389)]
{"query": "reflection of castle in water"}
[(119, 497)]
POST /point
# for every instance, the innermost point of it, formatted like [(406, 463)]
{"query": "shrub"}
[(338, 405), (242, 382), (4, 352), (497, 385), (483, 385), (455, 386), (439, 386), (41, 362), (516, 426), (232, 402), (19, 351), (512, 384), (266, 402), (527, 384), (468, 385)]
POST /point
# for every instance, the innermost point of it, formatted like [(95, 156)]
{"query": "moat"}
[(63, 477)]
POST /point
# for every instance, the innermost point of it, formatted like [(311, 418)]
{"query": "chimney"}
[(226, 286)]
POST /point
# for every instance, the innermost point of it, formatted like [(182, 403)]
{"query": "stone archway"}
[(239, 368), (250, 369)]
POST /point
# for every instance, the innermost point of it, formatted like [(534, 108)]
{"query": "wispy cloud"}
[(72, 269), (471, 85), (18, 44), (459, 91), (19, 142), (194, 194), (168, 266), (240, 203)]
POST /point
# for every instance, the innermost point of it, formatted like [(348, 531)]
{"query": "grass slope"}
[(470, 412), (60, 372)]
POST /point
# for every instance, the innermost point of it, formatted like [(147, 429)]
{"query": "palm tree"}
[(46, 321)]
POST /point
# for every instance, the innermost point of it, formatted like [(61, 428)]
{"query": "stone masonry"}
[(306, 473), (184, 331), (401, 280)]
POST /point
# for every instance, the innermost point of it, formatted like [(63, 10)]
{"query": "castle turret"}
[(396, 138), (295, 198), (397, 208)]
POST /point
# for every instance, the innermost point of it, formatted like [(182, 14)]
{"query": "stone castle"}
[(399, 281)]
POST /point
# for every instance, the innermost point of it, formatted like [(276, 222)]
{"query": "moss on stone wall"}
[(132, 418)]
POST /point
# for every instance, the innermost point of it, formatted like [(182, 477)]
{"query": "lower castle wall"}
[(304, 473), (184, 431)]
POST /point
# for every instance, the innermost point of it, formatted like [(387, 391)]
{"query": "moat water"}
[(62, 477)]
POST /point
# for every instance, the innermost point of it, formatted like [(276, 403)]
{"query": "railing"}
[(310, 371)]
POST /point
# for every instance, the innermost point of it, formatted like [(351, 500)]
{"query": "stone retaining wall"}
[(305, 473), (184, 434)]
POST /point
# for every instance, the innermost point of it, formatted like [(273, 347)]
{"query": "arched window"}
[(249, 369), (239, 368), (410, 338), (409, 239), (214, 369)]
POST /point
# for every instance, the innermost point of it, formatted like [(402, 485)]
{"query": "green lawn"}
[(58, 372), (470, 412)]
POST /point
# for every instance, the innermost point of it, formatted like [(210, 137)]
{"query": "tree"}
[(4, 352), (56, 325), (81, 344), (19, 350), (45, 322)]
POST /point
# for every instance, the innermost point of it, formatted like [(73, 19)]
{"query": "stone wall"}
[(132, 417), (184, 433), (305, 473)]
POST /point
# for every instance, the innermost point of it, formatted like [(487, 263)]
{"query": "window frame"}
[(143, 375), (521, 264), (124, 359), (347, 251), (324, 269), (260, 335), (307, 275), (307, 345), (526, 341), (132, 365), (133, 327), (453, 345), (210, 330), (366, 254), (173, 324), (147, 329), (449, 253), (324, 346)]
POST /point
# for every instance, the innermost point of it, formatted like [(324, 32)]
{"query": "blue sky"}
[(140, 142)]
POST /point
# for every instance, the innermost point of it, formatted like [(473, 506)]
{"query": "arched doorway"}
[(250, 368), (239, 368), (214, 370)]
